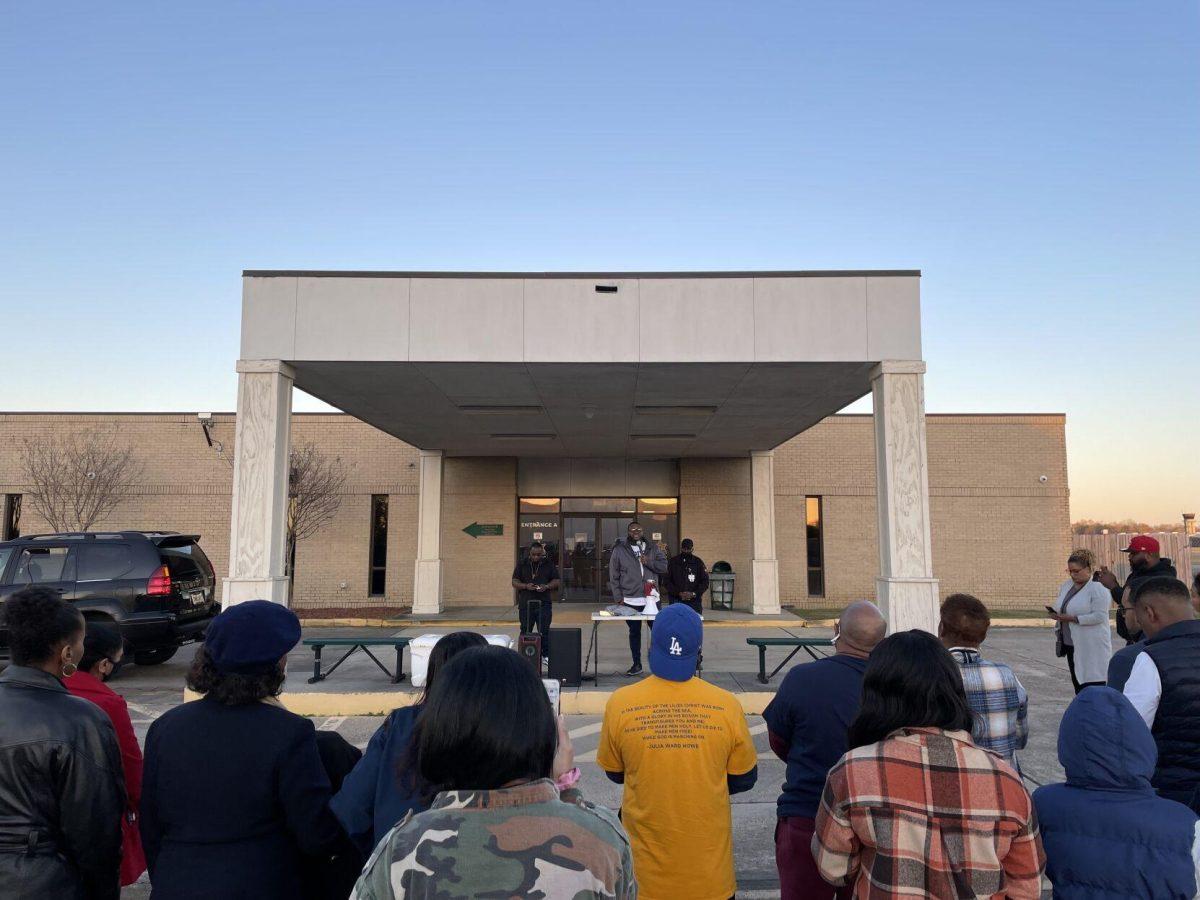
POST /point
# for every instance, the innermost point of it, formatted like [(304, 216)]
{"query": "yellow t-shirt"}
[(676, 741)]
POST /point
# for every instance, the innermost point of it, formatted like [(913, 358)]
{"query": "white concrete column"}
[(258, 523), (427, 581), (765, 565), (907, 591)]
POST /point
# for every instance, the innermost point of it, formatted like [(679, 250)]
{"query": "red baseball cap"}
[(1143, 543)]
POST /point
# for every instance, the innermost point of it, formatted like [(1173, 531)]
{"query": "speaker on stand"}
[(530, 648)]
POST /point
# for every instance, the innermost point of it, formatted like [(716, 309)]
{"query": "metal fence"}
[(1107, 547)]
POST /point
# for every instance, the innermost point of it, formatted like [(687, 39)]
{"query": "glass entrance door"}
[(579, 559), (587, 543)]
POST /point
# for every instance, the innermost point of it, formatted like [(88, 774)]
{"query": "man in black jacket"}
[(687, 578), (536, 579), (1145, 561)]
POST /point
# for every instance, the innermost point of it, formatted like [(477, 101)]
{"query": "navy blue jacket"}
[(1121, 664), (232, 796), (373, 797), (1176, 654), (808, 719), (1106, 833)]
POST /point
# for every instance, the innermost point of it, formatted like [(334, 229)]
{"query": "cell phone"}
[(554, 692), (1051, 609)]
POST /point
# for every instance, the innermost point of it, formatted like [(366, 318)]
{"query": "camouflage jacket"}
[(519, 842)]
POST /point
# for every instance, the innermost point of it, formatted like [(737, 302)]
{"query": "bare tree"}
[(315, 484), (78, 479)]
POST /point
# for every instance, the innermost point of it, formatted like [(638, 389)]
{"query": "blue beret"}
[(250, 638)]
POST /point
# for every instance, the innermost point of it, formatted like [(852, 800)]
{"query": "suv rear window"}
[(38, 565), (186, 562), (103, 562)]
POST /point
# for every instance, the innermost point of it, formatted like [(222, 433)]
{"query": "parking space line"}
[(585, 730), (332, 724)]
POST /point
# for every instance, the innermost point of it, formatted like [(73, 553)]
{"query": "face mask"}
[(116, 667)]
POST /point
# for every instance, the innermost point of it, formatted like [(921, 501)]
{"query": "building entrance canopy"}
[(627, 365), (631, 366)]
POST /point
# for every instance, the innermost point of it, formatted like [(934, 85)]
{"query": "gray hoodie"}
[(626, 576)]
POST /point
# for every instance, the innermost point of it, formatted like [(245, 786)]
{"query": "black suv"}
[(157, 586)]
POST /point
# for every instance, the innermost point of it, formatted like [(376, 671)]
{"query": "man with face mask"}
[(806, 724), (103, 655), (1145, 561), (633, 570)]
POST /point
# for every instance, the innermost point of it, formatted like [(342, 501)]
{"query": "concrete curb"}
[(380, 703)]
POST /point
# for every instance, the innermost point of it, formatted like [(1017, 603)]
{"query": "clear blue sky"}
[(1039, 162)]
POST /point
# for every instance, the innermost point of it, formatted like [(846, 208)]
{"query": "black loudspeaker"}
[(566, 654), (530, 647)]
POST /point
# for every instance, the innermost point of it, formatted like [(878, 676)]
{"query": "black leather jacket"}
[(62, 792)]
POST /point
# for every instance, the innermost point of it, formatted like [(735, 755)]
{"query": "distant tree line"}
[(1131, 526)]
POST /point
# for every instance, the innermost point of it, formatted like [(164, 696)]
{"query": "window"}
[(379, 523), (39, 565), (816, 548), (623, 505), (536, 505), (658, 506), (11, 526), (103, 562), (188, 565)]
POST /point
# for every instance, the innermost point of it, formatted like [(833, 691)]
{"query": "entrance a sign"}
[(476, 530)]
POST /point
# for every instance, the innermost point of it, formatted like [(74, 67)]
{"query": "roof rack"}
[(93, 535)]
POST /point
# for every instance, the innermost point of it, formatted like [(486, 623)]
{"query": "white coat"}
[(1092, 634)]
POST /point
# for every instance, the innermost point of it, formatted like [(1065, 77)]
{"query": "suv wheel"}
[(154, 657)]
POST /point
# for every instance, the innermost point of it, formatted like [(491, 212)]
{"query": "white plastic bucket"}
[(419, 649)]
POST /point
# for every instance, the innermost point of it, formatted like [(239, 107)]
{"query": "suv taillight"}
[(160, 582)]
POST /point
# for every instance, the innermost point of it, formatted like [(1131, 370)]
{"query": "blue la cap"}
[(250, 638), (675, 642)]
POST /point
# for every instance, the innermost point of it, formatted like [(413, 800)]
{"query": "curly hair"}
[(38, 621), (1081, 556), (230, 689)]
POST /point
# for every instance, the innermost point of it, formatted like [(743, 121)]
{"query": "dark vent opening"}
[(606, 289)]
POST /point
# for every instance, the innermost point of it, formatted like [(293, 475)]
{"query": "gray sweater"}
[(626, 576)]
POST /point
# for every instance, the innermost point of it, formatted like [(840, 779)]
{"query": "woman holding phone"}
[(1082, 632)]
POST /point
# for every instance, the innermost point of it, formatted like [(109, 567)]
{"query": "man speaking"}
[(633, 569)]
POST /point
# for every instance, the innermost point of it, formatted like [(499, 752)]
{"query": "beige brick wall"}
[(714, 511), (478, 570), (997, 530)]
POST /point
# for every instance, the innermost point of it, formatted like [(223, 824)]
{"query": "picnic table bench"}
[(360, 643), (796, 643)]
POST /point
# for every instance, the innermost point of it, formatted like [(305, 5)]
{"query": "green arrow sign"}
[(476, 530)]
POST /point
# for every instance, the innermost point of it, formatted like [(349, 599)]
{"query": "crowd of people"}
[(901, 752)]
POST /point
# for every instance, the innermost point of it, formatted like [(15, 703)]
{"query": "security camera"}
[(204, 418), (1043, 479)]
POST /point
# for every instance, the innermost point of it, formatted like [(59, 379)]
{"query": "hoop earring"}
[(74, 668)]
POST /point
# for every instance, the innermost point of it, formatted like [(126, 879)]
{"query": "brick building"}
[(998, 530)]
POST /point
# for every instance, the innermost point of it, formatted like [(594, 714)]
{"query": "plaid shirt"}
[(999, 702), (926, 813)]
